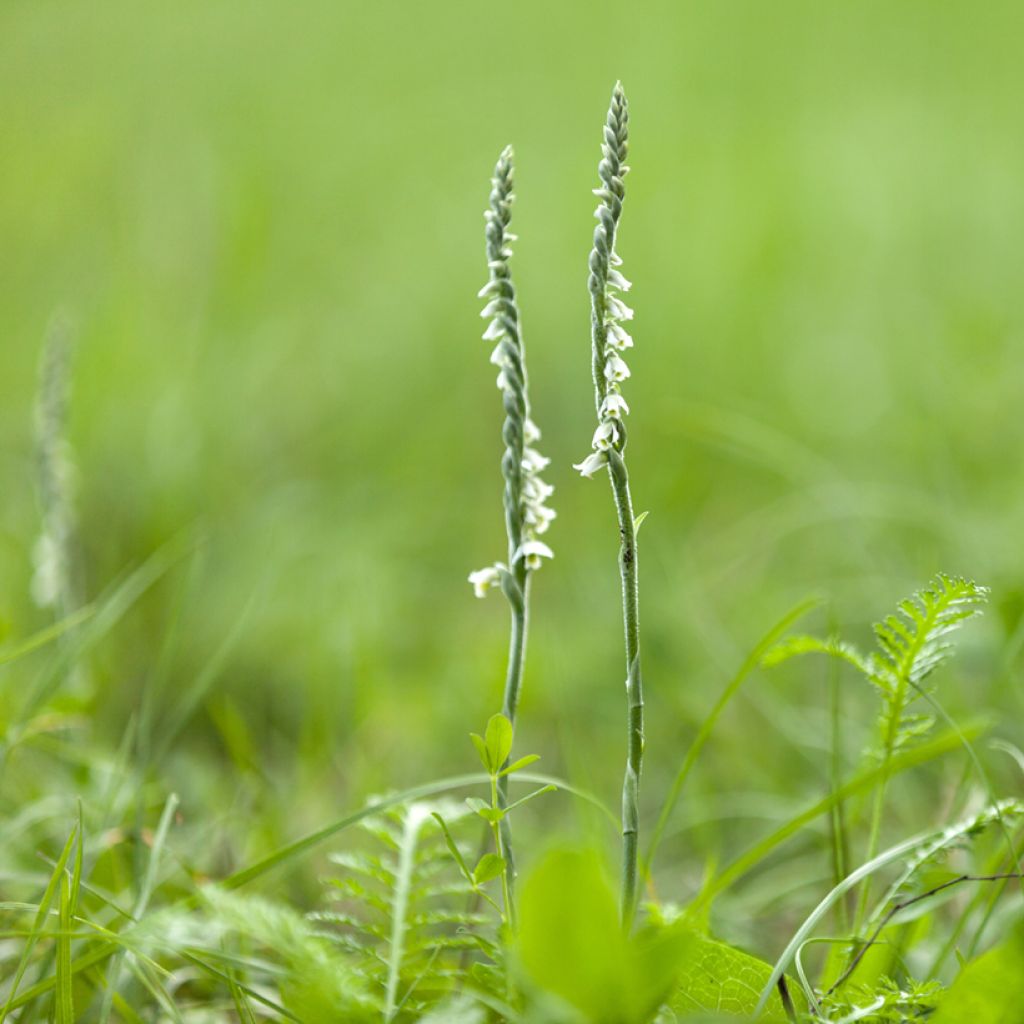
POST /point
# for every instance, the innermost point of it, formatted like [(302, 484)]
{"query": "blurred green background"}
[(265, 222)]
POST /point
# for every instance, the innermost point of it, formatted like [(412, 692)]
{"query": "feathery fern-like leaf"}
[(399, 909), (912, 643)]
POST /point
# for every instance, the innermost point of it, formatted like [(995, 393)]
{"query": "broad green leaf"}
[(499, 742), (720, 979), (989, 990), (571, 944), (489, 866)]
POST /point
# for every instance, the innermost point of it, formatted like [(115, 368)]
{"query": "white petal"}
[(532, 550), (535, 489), (618, 338), (591, 464), (531, 432), (615, 369), (494, 331), (616, 280), (618, 310), (484, 579), (606, 435), (533, 461), (614, 405), (539, 516)]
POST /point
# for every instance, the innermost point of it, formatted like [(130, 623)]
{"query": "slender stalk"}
[(634, 687), (509, 707), (878, 804), (524, 493), (502, 844), (608, 340)]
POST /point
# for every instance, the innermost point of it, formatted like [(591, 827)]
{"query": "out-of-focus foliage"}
[(262, 224), (266, 226)]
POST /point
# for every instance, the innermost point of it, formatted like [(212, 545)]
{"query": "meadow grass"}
[(125, 900)]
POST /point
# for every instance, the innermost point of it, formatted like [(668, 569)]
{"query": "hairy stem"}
[(628, 569), (510, 704), (504, 851)]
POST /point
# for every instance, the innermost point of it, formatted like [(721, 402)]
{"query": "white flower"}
[(494, 331), (501, 381), (618, 338), (493, 308), (498, 355), (615, 369), (614, 405), (484, 579), (539, 516), (616, 280), (591, 464), (606, 435), (488, 289), (534, 489), (615, 259), (618, 310), (533, 461), (531, 432), (533, 551)]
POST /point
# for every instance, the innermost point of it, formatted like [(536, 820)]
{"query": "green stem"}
[(519, 603), (897, 702), (634, 687), (504, 852)]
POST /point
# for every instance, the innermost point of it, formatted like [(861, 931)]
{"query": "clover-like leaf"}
[(489, 866)]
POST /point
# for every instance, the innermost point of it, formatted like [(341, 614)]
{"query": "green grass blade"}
[(64, 1011), (864, 781), (14, 652), (846, 885), (107, 615), (180, 715), (751, 662), (159, 840), (141, 903), (231, 981), (314, 839), (39, 924), (152, 985), (242, 1005)]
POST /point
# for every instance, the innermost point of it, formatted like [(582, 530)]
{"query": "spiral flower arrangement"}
[(608, 311), (609, 339), (526, 514)]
